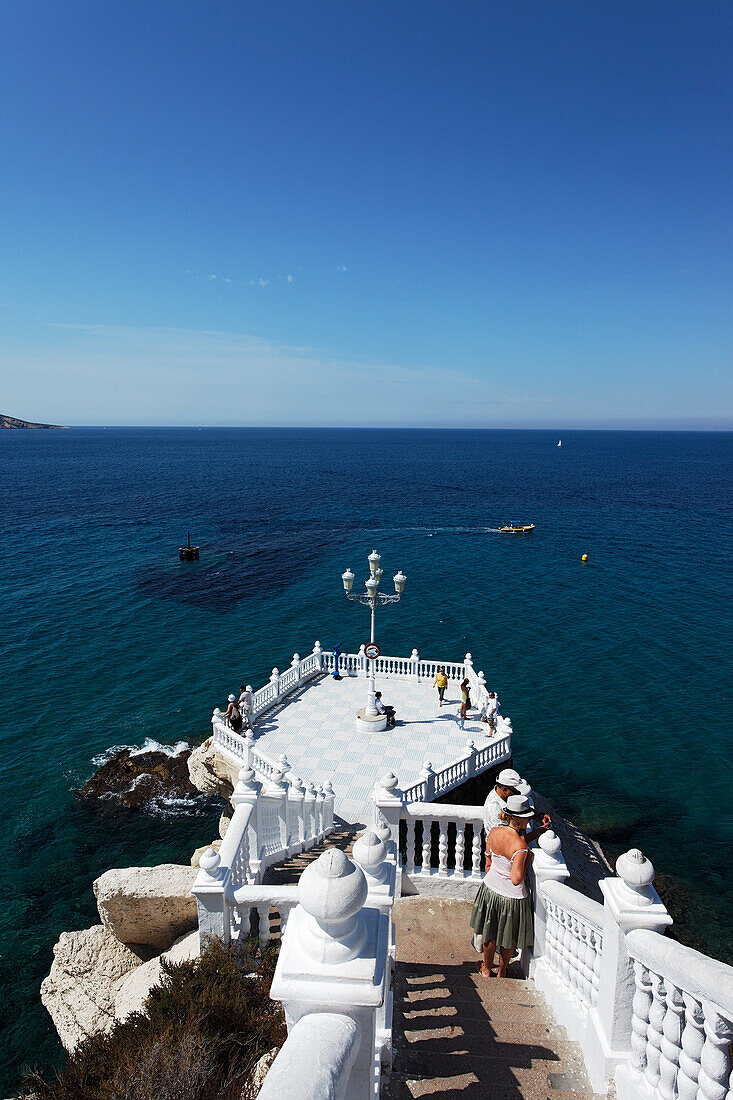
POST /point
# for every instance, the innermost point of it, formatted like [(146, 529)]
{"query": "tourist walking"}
[(246, 704), (233, 715), (491, 711), (502, 912), (441, 683), (465, 699)]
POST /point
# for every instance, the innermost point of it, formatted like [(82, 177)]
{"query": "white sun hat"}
[(508, 778), (524, 787), (517, 805), (232, 698)]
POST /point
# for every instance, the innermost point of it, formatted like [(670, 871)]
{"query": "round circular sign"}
[(372, 651)]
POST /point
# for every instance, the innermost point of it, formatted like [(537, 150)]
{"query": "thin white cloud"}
[(289, 278), (342, 267)]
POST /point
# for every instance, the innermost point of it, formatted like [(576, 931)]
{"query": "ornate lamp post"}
[(370, 717)]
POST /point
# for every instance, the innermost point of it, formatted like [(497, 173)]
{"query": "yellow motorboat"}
[(517, 529)]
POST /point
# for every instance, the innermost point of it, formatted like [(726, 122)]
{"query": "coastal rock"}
[(135, 779), (196, 857), (259, 1073), (210, 773), (149, 906), (88, 969), (135, 987)]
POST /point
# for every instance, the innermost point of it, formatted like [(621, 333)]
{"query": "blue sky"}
[(513, 213)]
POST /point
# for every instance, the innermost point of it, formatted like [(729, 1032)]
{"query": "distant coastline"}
[(12, 422)]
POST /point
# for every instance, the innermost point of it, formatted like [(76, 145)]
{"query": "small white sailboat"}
[(559, 442)]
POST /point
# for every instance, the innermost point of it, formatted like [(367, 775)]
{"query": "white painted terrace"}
[(304, 725)]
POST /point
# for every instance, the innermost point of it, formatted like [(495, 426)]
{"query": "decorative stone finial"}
[(296, 784), (217, 713), (209, 862), (369, 853), (328, 789), (414, 654), (246, 776), (549, 842), (637, 873), (388, 782), (470, 745), (427, 767), (317, 647), (295, 661), (283, 762), (332, 891)]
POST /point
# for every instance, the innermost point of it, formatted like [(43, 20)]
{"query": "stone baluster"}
[(296, 796), (333, 959), (427, 846), (370, 853), (548, 865), (263, 925), (275, 681), (309, 816), (476, 853), (654, 1029), (715, 1066), (641, 1007), (442, 847), (318, 652), (277, 790), (415, 664), (460, 846), (671, 1042), (630, 901), (427, 776), (693, 1039), (410, 846)]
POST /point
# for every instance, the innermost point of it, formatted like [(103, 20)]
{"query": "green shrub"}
[(198, 1037)]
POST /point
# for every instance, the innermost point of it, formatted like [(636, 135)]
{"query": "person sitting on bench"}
[(385, 709)]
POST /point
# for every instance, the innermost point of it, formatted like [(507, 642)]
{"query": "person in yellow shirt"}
[(441, 683)]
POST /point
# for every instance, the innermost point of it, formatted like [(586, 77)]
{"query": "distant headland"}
[(11, 422)]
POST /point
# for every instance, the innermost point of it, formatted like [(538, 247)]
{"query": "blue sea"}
[(616, 673)]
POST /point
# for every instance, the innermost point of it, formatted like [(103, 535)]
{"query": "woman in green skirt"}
[(502, 911)]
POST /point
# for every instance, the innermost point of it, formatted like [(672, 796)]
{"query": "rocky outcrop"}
[(13, 422), (211, 773), (136, 779), (89, 968), (135, 987), (148, 906)]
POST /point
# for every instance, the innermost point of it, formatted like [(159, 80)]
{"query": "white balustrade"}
[(443, 872), (572, 947), (431, 784), (682, 1024)]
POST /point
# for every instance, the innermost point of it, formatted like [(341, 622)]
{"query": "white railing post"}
[(295, 663), (277, 792), (548, 865), (470, 757), (361, 662), (427, 776), (468, 665), (415, 664), (247, 793), (334, 959), (275, 681), (387, 810), (296, 796), (210, 890), (481, 692), (630, 901), (318, 654), (329, 799)]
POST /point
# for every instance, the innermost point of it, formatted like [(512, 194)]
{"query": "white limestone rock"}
[(88, 969), (210, 773), (259, 1073), (149, 906), (196, 857), (135, 987)]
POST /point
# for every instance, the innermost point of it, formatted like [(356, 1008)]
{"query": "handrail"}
[(576, 903), (697, 974), (315, 1060)]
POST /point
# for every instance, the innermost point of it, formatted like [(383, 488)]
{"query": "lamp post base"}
[(370, 723)]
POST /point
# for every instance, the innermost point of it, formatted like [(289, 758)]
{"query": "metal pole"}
[(371, 707)]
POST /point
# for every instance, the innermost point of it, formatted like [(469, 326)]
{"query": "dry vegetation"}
[(200, 1034)]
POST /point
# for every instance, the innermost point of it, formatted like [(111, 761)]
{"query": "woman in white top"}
[(502, 911)]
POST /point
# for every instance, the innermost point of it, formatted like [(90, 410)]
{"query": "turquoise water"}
[(615, 674)]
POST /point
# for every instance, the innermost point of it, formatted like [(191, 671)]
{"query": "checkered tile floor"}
[(315, 728)]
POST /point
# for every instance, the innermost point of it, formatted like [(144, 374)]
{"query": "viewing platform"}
[(303, 724)]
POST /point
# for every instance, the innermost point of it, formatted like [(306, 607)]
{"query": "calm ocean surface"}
[(616, 674)]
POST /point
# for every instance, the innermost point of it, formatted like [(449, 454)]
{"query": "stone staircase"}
[(460, 1035), (288, 872)]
